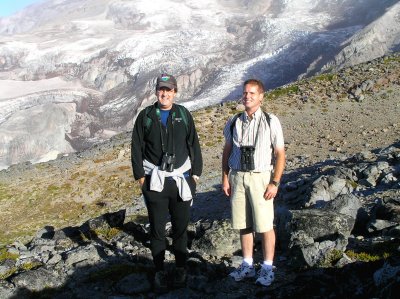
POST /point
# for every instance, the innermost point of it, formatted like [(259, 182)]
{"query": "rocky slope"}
[(336, 213), (85, 67)]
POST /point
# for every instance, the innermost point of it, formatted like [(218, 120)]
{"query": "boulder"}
[(219, 240), (313, 233), (347, 204), (326, 188), (89, 254), (37, 280), (6, 289)]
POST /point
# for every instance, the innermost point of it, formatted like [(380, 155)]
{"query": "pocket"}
[(266, 178)]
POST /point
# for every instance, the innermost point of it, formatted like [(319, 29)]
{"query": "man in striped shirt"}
[(252, 165)]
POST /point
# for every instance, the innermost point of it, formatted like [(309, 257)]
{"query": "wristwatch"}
[(276, 183)]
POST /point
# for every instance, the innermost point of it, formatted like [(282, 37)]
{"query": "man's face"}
[(165, 98), (252, 97)]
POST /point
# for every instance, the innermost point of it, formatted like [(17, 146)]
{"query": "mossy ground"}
[(47, 195)]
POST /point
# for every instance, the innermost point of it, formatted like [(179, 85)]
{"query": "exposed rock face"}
[(315, 233), (367, 44), (218, 240), (104, 56)]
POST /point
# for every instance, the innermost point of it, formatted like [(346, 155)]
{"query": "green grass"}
[(8, 273), (375, 252), (5, 192), (30, 265), (5, 255), (107, 233), (282, 91), (331, 258), (391, 59), (362, 256), (324, 77)]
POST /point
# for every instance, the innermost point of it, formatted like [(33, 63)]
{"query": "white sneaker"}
[(242, 272), (265, 277)]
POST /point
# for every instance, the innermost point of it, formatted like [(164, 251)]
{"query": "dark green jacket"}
[(146, 143)]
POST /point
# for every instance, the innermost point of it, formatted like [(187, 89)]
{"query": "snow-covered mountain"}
[(76, 72)]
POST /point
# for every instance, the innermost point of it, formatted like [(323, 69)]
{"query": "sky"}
[(9, 7)]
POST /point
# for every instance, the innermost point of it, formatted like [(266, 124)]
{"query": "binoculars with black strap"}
[(168, 162), (247, 158)]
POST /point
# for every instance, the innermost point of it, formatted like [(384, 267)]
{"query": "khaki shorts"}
[(249, 207)]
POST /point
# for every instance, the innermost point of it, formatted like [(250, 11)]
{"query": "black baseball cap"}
[(166, 80)]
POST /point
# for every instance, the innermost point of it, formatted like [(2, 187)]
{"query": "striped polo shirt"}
[(245, 132)]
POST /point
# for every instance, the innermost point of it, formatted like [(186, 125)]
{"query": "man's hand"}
[(271, 192), (141, 181), (195, 178), (226, 187)]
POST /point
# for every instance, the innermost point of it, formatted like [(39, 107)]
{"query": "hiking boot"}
[(242, 272), (265, 276), (180, 276), (160, 282)]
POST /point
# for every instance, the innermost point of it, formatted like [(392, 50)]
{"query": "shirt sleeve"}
[(137, 147), (227, 130), (194, 147), (277, 133)]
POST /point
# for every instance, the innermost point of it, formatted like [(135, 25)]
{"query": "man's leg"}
[(157, 208), (246, 269), (268, 245), (247, 240), (180, 217), (266, 275), (263, 212), (241, 217)]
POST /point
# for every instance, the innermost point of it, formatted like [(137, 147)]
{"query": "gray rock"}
[(313, 233), (389, 179), (365, 156), (37, 280), (380, 224), (89, 253), (367, 85), (18, 246), (6, 289), (371, 175), (326, 188), (360, 98), (219, 240), (55, 259), (382, 165), (347, 204), (345, 260), (7, 267)]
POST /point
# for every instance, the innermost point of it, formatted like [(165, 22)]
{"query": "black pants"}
[(161, 205)]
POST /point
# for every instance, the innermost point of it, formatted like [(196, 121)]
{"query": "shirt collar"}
[(256, 115)]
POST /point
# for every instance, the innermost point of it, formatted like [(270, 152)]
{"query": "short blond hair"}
[(255, 82)]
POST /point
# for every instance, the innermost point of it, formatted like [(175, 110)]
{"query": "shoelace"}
[(241, 268), (263, 272)]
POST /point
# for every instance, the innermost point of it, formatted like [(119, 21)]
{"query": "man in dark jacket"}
[(167, 162)]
